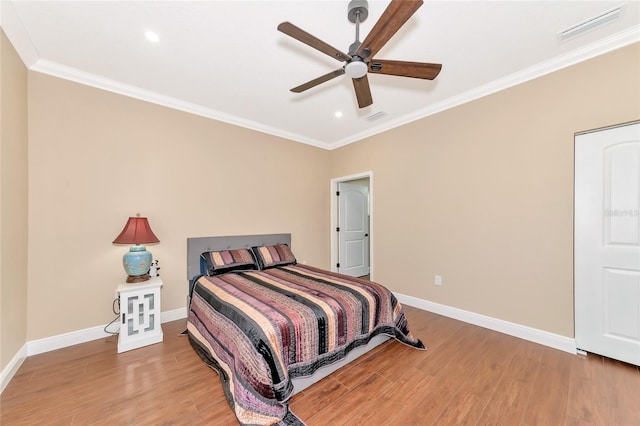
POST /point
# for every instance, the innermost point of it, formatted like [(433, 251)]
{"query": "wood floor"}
[(468, 375)]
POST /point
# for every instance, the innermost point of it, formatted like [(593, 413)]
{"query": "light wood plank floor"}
[(468, 375)]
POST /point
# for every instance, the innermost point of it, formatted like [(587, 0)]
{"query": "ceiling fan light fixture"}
[(356, 69), (152, 36)]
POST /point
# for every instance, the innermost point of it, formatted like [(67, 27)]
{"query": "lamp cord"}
[(116, 302)]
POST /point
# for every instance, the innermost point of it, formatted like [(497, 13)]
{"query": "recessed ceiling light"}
[(152, 37), (338, 114)]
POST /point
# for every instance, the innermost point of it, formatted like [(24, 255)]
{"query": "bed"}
[(270, 327)]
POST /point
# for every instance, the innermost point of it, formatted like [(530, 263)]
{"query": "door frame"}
[(334, 218)]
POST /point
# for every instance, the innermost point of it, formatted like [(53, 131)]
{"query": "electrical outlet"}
[(438, 280)]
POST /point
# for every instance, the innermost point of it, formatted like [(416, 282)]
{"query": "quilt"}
[(260, 329)]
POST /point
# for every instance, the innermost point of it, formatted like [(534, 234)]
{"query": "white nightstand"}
[(139, 314)]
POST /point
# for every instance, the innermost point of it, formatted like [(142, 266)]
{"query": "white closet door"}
[(607, 242)]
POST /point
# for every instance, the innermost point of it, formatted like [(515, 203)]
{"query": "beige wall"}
[(96, 158), (13, 202), (483, 193)]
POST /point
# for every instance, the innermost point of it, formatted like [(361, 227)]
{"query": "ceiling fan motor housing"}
[(357, 9)]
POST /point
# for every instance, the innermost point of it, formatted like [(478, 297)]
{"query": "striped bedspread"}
[(259, 329)]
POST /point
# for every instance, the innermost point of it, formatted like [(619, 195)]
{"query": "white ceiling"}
[(226, 60)]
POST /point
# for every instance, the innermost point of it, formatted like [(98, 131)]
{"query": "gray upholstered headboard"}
[(196, 246)]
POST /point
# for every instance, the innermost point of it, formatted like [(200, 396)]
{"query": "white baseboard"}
[(35, 347), (10, 370), (174, 315), (545, 338), (52, 343)]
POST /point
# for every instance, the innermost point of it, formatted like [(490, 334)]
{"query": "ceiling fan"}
[(360, 59)]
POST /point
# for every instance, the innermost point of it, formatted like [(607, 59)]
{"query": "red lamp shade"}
[(136, 231)]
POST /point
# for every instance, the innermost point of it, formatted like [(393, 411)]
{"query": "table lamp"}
[(138, 260)]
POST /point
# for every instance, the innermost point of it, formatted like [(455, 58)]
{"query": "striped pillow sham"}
[(219, 262), (276, 255)]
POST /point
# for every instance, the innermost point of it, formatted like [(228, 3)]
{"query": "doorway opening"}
[(352, 225)]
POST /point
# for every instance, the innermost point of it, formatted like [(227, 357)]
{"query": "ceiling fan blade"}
[(405, 69), (291, 30), (363, 91), (316, 81), (394, 16)]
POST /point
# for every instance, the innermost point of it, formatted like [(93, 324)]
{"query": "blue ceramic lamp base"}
[(137, 263)]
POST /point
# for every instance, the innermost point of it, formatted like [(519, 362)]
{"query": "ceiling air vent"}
[(590, 24), (378, 115)]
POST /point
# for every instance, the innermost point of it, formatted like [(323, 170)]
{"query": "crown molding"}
[(88, 79), (14, 29), (614, 42)]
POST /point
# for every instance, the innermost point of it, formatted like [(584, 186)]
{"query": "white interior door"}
[(353, 225), (607, 242)]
